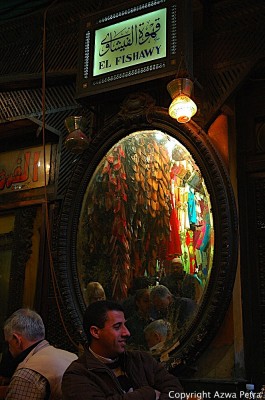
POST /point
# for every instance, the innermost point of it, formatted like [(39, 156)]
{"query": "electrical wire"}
[(58, 296)]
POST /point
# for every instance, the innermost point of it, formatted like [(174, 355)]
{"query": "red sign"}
[(24, 169)]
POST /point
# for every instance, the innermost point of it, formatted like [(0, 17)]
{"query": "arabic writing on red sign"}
[(27, 169)]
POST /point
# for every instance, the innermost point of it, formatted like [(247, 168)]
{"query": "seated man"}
[(107, 370), (176, 310), (41, 366), (140, 319), (156, 333)]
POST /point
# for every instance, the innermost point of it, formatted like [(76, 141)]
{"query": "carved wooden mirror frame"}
[(138, 112)]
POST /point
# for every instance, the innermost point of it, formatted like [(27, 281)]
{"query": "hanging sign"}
[(132, 45), (24, 169), (132, 42)]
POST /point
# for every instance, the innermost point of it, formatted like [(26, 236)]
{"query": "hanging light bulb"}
[(76, 141), (182, 107)]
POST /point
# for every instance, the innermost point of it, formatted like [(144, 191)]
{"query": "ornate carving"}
[(136, 103), (21, 251), (260, 134)]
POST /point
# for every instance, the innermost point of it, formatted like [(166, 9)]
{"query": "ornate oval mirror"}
[(152, 225)]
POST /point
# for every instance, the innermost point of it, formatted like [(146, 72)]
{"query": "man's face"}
[(112, 338), (161, 303), (152, 339), (144, 303)]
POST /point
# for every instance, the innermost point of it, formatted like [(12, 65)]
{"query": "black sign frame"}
[(178, 43)]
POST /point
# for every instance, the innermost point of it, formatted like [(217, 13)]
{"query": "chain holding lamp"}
[(182, 107)]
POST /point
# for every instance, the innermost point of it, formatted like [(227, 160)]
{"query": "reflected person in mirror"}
[(140, 318), (139, 282), (94, 292), (156, 334), (107, 370), (192, 287), (176, 310)]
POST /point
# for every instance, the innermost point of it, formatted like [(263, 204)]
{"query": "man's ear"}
[(170, 298), (158, 337), (94, 331), (17, 339)]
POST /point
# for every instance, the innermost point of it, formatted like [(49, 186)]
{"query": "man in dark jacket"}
[(107, 371)]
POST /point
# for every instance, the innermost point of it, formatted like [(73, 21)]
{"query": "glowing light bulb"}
[(182, 109)]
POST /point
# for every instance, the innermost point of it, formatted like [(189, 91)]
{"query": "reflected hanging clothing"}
[(183, 213), (174, 244), (189, 243), (207, 233), (192, 208)]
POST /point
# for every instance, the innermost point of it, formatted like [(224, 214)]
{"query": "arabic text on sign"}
[(133, 35)]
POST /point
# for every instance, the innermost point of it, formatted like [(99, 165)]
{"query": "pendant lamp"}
[(76, 141), (182, 107)]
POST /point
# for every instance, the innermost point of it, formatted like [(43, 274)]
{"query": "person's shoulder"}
[(66, 353), (183, 300), (78, 364), (187, 302), (59, 352), (135, 317), (140, 356), (83, 365)]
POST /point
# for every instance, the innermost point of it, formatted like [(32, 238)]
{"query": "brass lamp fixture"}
[(76, 141), (182, 107)]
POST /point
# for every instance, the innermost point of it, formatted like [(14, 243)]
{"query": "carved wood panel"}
[(21, 250), (251, 186)]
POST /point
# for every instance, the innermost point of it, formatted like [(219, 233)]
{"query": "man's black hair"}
[(96, 314), (140, 282)]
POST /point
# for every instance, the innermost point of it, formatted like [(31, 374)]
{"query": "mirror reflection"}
[(146, 237)]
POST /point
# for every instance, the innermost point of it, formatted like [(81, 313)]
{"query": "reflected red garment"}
[(138, 265), (201, 235), (196, 237), (174, 244)]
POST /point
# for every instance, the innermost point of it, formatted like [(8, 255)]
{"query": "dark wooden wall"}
[(251, 187)]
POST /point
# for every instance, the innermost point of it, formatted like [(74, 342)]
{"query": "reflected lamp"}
[(182, 107), (76, 141)]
